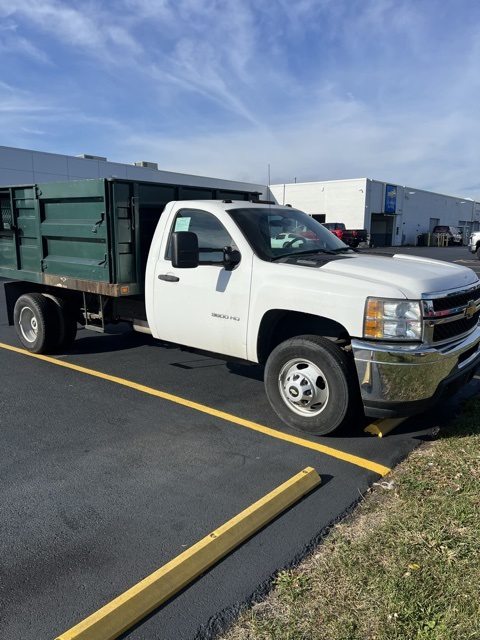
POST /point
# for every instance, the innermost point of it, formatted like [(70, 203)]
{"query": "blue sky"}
[(313, 89)]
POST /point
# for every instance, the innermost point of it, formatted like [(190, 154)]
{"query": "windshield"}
[(275, 232)]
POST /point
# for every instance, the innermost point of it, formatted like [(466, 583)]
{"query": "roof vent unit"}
[(85, 156), (148, 165)]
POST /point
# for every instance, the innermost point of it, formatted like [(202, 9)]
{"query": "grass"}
[(404, 566)]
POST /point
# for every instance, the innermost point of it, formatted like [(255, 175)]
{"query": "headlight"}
[(392, 319)]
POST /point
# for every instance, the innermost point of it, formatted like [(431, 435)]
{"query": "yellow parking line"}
[(334, 453), (137, 602)]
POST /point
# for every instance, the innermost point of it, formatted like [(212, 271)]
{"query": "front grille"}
[(456, 300), (453, 316), (453, 329)]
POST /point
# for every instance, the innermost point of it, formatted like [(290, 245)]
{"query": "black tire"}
[(478, 252), (36, 322), (311, 385), (67, 324)]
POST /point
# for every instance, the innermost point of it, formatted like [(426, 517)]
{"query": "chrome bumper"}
[(400, 380)]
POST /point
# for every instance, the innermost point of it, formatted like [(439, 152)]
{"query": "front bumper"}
[(401, 380)]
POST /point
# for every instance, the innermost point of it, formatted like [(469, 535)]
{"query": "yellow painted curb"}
[(382, 427), (123, 612)]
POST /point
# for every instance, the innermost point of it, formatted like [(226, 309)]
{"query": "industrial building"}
[(393, 214), (21, 166)]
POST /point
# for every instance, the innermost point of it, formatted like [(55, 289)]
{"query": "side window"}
[(212, 235)]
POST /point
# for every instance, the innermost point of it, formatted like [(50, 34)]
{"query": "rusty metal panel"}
[(89, 286)]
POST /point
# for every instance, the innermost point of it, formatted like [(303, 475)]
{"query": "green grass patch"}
[(404, 566)]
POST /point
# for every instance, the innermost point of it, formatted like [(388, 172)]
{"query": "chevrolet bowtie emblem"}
[(471, 309)]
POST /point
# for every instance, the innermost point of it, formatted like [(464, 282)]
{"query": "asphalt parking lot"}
[(124, 452)]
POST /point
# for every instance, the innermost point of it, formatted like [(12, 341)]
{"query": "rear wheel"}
[(310, 384), (36, 322), (478, 252)]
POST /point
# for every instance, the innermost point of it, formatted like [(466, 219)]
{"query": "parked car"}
[(453, 233)]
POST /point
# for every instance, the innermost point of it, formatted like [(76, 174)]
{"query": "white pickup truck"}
[(474, 243), (332, 326), (336, 329)]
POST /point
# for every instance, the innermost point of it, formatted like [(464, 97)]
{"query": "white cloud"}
[(11, 42), (334, 139), (86, 26)]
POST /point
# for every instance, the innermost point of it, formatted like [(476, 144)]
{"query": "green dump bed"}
[(88, 235)]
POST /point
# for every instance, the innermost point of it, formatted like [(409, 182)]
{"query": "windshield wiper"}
[(308, 252)]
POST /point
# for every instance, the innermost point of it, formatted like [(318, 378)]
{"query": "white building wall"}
[(339, 200), (21, 166), (421, 210), (360, 203), (375, 200), (418, 211)]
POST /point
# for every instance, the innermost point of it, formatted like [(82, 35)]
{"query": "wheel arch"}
[(278, 325), (15, 289)]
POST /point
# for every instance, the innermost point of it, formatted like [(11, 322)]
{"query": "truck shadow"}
[(115, 339)]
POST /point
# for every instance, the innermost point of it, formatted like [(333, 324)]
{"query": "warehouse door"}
[(381, 230)]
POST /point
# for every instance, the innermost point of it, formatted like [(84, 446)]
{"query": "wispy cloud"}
[(86, 26), (12, 43)]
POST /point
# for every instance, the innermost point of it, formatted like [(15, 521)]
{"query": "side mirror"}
[(185, 254), (231, 257)]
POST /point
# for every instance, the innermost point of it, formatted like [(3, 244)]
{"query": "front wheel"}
[(310, 384), (478, 252)]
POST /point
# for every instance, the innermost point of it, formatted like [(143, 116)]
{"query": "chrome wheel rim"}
[(28, 324), (303, 387)]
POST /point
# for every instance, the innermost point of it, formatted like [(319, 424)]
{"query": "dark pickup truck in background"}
[(352, 237), (453, 234)]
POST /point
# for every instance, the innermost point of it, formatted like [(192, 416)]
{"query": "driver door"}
[(205, 307)]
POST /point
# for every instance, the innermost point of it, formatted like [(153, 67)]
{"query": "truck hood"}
[(411, 275)]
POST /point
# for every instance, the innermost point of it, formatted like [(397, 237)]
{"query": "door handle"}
[(168, 278)]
